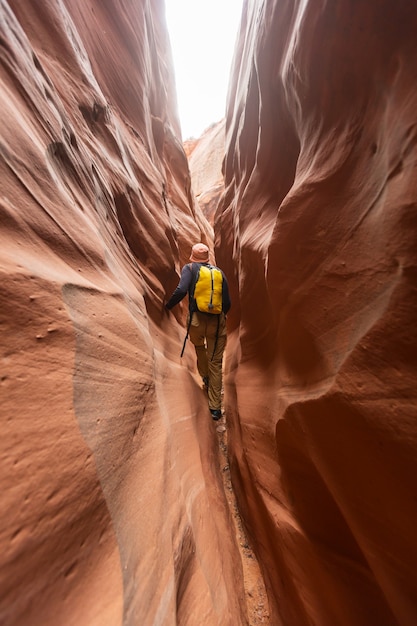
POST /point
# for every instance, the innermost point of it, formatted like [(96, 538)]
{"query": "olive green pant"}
[(203, 331)]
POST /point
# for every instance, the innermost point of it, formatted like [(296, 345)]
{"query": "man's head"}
[(199, 253)]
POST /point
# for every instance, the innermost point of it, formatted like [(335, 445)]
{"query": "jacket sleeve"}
[(225, 296), (182, 288)]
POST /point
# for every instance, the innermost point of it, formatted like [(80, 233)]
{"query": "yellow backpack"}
[(208, 289)]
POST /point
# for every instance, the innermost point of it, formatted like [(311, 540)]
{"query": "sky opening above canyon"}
[(203, 35)]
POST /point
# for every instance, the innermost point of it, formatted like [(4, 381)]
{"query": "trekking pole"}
[(186, 336)]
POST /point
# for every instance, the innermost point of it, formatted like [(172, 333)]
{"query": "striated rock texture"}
[(112, 507), (317, 231), (205, 157)]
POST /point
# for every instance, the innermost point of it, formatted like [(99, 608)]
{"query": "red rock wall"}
[(317, 231), (112, 508)]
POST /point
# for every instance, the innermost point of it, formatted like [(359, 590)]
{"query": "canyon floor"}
[(256, 598)]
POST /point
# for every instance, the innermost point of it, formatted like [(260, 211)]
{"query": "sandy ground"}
[(256, 598)]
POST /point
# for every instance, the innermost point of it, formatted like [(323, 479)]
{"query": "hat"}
[(199, 253)]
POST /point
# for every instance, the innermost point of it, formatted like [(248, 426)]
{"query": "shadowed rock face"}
[(112, 509), (317, 231)]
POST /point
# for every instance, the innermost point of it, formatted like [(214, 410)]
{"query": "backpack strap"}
[(194, 273)]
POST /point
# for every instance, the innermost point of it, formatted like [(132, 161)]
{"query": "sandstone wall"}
[(317, 231), (112, 508), (205, 157)]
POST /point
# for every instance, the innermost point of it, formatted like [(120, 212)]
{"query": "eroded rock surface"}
[(205, 157), (317, 231), (112, 507)]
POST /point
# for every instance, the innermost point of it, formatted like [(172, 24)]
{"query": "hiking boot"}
[(216, 414)]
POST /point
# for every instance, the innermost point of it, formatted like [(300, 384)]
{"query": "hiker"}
[(209, 302)]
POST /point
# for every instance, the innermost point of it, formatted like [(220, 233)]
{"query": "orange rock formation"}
[(205, 157), (112, 507), (318, 228)]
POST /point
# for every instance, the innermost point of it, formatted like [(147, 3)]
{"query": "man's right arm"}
[(182, 288)]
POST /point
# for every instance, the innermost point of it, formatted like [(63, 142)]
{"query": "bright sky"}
[(203, 35)]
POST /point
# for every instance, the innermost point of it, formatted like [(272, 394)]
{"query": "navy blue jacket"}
[(188, 276)]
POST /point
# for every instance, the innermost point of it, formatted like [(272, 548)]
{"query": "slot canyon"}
[(114, 506)]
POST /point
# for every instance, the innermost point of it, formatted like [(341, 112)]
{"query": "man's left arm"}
[(225, 296)]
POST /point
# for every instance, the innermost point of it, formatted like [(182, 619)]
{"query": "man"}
[(207, 330)]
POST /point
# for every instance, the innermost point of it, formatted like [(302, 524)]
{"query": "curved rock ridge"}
[(112, 507), (317, 231)]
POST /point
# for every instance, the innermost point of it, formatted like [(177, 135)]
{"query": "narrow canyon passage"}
[(121, 502), (255, 592)]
